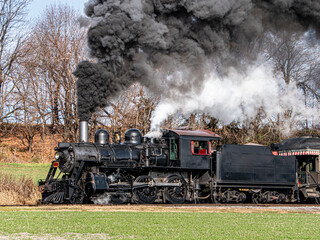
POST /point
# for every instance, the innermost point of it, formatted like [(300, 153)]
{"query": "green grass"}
[(146, 225), (35, 171)]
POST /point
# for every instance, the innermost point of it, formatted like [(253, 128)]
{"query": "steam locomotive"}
[(181, 166)]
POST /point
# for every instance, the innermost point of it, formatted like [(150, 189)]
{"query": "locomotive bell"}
[(101, 137), (133, 136)]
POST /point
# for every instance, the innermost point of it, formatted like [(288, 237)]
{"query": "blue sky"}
[(37, 6)]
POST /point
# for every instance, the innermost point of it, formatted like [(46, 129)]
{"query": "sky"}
[(38, 6)]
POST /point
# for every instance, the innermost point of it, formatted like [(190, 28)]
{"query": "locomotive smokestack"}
[(83, 131)]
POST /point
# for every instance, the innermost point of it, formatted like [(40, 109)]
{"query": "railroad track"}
[(201, 205), (189, 208)]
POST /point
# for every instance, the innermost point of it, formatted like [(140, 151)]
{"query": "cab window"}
[(200, 147)]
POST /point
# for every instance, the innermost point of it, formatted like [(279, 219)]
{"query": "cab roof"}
[(196, 133), (306, 142)]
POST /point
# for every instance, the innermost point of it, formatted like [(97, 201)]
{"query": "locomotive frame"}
[(178, 167)]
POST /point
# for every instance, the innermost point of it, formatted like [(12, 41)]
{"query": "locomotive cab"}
[(191, 148), (306, 151)]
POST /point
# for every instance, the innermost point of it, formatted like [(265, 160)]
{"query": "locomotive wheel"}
[(176, 195), (77, 196), (215, 197), (224, 197), (242, 197), (256, 198), (146, 195), (281, 198)]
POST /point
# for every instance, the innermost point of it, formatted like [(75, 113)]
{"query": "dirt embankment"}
[(15, 149)]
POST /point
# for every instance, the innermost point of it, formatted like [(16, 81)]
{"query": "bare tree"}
[(298, 63), (52, 51), (132, 109), (12, 13)]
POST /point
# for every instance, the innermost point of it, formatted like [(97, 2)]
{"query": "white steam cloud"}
[(102, 199), (235, 96), (108, 198)]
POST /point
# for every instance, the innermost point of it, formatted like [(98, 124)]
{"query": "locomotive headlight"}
[(57, 155)]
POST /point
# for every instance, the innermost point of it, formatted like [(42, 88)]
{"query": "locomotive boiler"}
[(181, 166)]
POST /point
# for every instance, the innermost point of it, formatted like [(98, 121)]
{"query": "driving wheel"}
[(176, 194), (145, 195)]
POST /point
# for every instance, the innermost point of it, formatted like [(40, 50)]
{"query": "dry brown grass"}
[(12, 150), (15, 191)]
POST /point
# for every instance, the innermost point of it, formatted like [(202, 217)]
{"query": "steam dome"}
[(101, 137), (133, 136)]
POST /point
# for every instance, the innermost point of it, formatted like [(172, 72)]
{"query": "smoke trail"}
[(174, 44), (237, 96)]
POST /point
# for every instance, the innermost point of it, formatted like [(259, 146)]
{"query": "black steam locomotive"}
[(181, 166)]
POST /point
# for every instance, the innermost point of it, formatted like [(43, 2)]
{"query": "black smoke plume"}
[(146, 41)]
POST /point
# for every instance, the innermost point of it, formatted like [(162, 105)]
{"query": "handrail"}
[(303, 177)]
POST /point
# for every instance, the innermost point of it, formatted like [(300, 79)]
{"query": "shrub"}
[(21, 191)]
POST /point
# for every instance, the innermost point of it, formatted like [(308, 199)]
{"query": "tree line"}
[(38, 88)]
